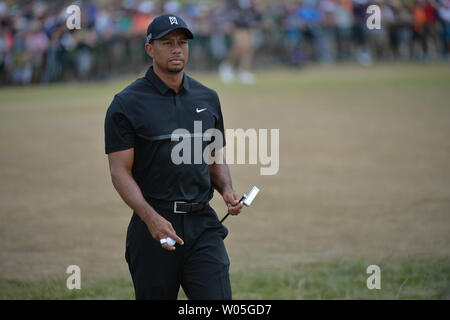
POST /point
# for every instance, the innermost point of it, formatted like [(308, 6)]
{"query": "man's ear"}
[(149, 49)]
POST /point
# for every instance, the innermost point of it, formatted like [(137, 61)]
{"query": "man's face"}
[(171, 52)]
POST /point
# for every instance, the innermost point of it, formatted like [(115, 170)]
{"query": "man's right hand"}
[(160, 228)]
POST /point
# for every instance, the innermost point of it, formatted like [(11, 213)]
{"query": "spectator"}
[(36, 46), (243, 17), (444, 18), (344, 23), (419, 37)]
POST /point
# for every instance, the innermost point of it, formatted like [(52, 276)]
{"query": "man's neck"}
[(173, 80)]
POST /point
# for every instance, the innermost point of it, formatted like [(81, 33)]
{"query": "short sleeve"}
[(119, 132), (219, 121)]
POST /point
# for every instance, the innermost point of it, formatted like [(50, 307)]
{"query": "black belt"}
[(179, 206)]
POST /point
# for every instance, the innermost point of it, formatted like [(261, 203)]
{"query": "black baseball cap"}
[(163, 24)]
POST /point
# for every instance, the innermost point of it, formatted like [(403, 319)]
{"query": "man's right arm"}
[(120, 164)]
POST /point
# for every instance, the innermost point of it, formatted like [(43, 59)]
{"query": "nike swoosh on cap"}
[(200, 110)]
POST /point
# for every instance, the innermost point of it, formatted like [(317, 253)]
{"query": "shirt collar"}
[(160, 85)]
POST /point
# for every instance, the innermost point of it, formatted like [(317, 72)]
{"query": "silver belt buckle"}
[(175, 207)]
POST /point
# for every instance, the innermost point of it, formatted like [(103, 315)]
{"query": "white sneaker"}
[(246, 78), (226, 73)]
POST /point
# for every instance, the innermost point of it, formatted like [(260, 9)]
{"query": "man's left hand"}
[(231, 199)]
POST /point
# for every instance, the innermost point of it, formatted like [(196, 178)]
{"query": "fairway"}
[(364, 178)]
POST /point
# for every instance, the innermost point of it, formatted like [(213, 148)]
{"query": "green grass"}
[(405, 279)]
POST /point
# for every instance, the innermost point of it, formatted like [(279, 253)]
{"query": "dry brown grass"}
[(364, 171)]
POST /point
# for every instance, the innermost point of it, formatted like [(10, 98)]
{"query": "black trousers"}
[(200, 266)]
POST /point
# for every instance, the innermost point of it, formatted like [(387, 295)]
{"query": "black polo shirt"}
[(144, 115)]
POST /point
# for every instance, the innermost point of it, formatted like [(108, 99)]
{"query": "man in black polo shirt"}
[(170, 199)]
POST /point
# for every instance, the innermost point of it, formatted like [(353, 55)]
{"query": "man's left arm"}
[(221, 181)]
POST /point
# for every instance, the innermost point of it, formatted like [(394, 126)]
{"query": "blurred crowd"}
[(36, 46)]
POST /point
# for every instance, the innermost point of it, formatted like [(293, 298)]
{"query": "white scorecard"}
[(168, 240), (251, 196)]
